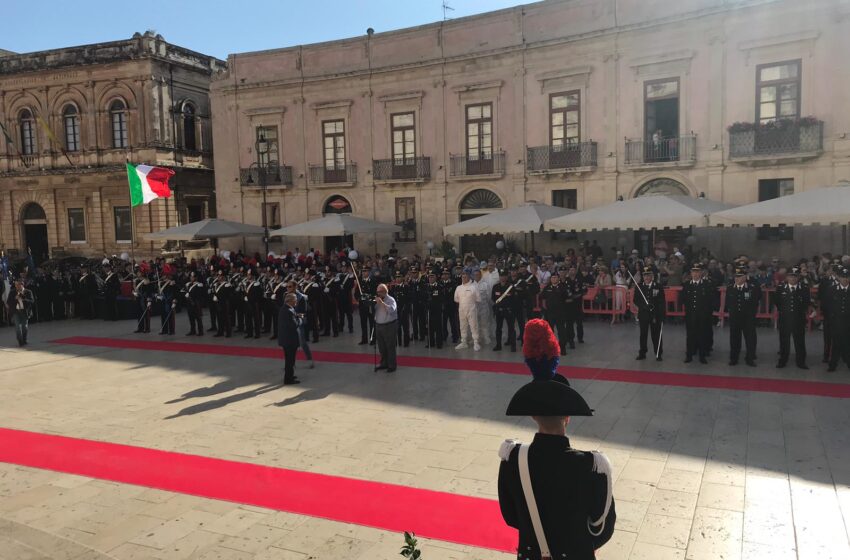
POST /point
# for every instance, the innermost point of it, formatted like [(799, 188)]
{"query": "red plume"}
[(539, 341)]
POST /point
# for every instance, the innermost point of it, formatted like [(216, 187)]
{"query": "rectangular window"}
[(333, 141), (272, 154), (123, 224), (565, 198), (72, 133), (405, 216), (271, 214), (76, 225), (194, 213), (404, 142), (768, 190), (119, 129), (778, 91), (564, 120), (479, 139)]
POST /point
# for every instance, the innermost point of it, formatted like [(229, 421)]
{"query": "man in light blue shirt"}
[(386, 327)]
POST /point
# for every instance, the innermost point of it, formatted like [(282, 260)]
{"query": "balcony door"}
[(564, 130), (404, 146), (479, 139), (333, 141), (778, 103), (661, 120)]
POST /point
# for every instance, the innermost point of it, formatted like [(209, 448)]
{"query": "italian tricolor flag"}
[(148, 183)]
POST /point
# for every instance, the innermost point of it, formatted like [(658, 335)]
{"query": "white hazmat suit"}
[(467, 298)]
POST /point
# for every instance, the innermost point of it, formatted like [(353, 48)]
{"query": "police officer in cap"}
[(559, 498), (651, 311), (839, 317), (742, 304), (698, 299), (792, 300)]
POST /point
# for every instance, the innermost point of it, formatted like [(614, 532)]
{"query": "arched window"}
[(27, 124), (662, 186), (118, 114), (71, 119), (480, 201), (189, 137)]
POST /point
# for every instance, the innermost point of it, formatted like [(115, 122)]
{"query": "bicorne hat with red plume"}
[(541, 349)]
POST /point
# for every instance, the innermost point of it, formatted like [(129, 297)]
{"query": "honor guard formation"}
[(465, 302)]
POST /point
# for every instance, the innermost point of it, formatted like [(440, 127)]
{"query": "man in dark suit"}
[(652, 309), (792, 300), (287, 339)]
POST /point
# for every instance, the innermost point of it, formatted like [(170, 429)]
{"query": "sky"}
[(218, 27)]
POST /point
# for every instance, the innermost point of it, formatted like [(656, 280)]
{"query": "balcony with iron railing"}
[(272, 175), (340, 175), (784, 140), (489, 166), (574, 157), (99, 159), (402, 170), (676, 151)]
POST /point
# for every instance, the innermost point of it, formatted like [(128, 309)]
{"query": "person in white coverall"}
[(485, 309), (467, 298)]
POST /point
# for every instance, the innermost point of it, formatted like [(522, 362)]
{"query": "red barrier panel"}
[(127, 288), (614, 303), (674, 305)]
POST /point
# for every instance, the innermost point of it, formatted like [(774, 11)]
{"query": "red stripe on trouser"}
[(437, 515), (765, 385)]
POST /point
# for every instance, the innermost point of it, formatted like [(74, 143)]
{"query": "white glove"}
[(215, 298), (173, 305), (327, 290), (246, 298), (274, 296)]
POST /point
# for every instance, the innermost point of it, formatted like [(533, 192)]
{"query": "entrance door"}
[(661, 116), (35, 232)]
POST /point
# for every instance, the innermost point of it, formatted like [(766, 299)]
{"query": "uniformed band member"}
[(554, 298), (434, 301), (559, 498), (111, 290), (88, 291), (143, 291), (167, 297), (451, 321), (343, 301), (651, 311), (403, 294), (365, 296), (503, 306), (742, 304), (698, 300), (332, 312), (792, 300), (253, 298), (195, 291), (575, 310), (222, 297), (839, 317)]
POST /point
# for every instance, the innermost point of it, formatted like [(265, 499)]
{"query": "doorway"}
[(661, 120), (477, 203), (35, 232), (337, 205)]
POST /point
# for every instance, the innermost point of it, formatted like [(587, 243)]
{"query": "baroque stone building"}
[(74, 116), (567, 102)]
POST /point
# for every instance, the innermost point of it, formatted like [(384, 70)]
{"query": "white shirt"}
[(466, 295), (386, 313), (491, 277)]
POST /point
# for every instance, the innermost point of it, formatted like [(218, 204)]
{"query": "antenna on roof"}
[(446, 10)]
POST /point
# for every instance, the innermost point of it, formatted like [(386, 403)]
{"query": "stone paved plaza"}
[(700, 473)]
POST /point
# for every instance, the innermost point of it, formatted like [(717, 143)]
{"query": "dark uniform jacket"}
[(555, 299), (742, 303), (654, 308), (839, 308), (567, 492), (792, 303), (507, 303), (698, 298)]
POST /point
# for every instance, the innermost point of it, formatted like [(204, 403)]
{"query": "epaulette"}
[(507, 447)]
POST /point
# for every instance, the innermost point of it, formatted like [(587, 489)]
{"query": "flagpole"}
[(132, 222)]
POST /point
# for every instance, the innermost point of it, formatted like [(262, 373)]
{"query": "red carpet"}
[(437, 515), (513, 367)]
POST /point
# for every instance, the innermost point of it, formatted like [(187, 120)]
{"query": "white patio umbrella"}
[(335, 225), (644, 212), (206, 229), (820, 206), (526, 218)]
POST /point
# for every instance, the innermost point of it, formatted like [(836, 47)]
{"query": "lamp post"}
[(264, 165)]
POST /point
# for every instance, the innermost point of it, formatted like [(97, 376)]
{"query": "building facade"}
[(71, 118), (567, 102)]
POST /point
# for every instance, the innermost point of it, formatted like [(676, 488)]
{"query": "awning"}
[(527, 218), (206, 229), (335, 225), (820, 206)]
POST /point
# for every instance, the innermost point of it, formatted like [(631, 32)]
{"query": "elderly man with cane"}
[(386, 325)]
